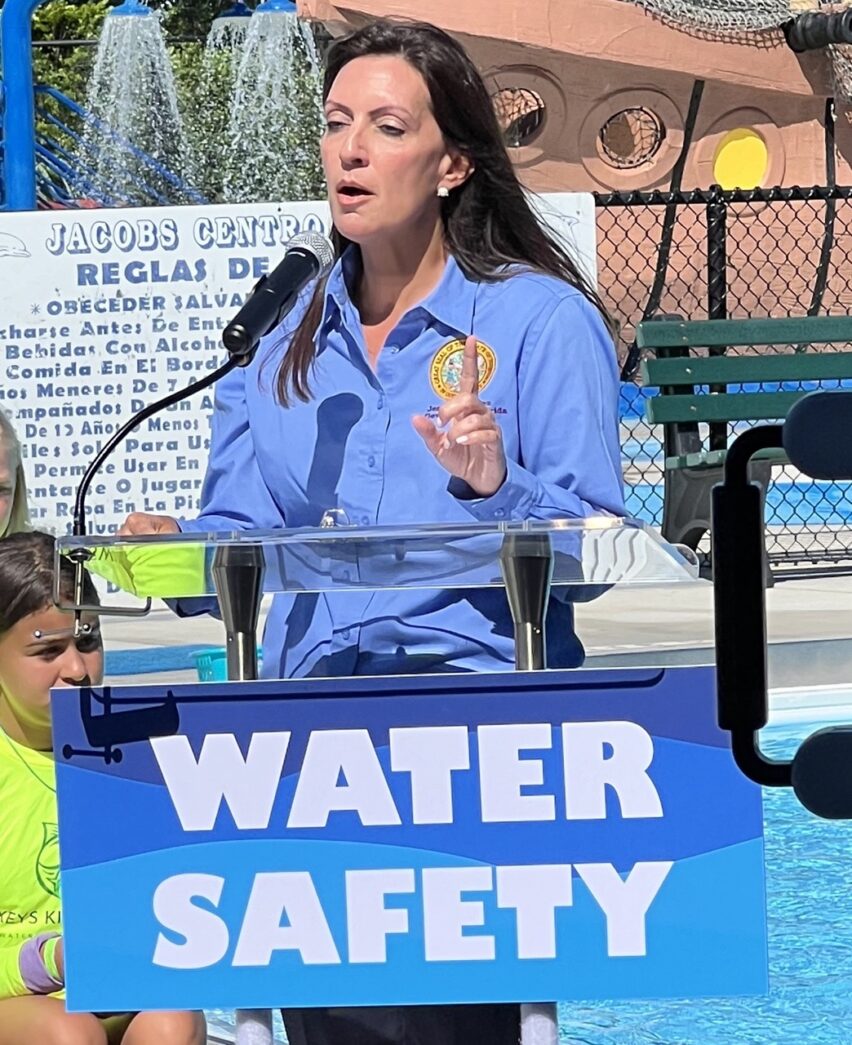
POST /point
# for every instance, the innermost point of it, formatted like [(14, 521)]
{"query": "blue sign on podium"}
[(451, 838)]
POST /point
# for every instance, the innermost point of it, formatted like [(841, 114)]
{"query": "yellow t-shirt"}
[(29, 856)]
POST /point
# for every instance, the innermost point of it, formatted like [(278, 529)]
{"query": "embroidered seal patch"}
[(446, 367)]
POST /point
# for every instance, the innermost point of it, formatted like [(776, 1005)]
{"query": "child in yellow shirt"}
[(38, 652)]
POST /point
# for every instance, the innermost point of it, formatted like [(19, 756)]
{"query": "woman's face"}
[(8, 468), (383, 153), (30, 666)]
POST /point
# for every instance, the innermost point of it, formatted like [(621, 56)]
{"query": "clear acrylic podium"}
[(529, 559)]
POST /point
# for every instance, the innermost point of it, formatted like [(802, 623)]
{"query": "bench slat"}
[(710, 370), (792, 330), (716, 458), (728, 406)]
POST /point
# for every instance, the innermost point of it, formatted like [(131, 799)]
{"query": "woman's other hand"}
[(140, 524), (467, 440)]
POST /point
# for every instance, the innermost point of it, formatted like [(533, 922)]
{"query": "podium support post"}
[(237, 573), (526, 561)]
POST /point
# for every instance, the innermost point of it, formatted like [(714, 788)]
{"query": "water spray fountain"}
[(276, 118), (132, 93), (208, 108), (228, 29)]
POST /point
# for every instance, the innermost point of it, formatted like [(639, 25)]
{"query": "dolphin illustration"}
[(12, 247)]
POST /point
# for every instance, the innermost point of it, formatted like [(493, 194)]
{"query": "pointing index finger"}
[(470, 367)]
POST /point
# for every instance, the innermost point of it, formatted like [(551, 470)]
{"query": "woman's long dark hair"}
[(488, 221), (26, 577)]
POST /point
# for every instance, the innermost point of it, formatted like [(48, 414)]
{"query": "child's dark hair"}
[(27, 571)]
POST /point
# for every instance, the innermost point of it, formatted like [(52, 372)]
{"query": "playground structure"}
[(21, 149), (19, 108), (598, 95), (59, 166)]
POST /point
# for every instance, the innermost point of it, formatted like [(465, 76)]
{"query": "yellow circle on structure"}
[(741, 160)]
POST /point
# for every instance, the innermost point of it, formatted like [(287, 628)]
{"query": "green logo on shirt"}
[(47, 861)]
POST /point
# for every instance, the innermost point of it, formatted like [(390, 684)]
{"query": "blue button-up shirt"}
[(547, 370)]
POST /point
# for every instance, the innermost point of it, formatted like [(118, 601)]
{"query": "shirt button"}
[(365, 520), (345, 633), (395, 349), (344, 575), (371, 461), (499, 512), (380, 404)]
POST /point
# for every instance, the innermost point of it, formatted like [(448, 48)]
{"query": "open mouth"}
[(354, 192)]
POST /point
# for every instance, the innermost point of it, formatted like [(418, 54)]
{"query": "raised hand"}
[(467, 440)]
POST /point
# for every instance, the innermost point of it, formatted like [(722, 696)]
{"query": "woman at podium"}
[(455, 366)]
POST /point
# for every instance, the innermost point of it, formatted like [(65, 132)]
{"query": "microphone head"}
[(816, 434), (820, 775), (318, 245)]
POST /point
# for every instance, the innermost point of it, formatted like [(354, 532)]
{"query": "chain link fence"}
[(713, 254)]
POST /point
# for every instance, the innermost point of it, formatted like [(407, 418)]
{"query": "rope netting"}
[(739, 18)]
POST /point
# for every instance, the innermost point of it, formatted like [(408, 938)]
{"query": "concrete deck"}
[(809, 629)]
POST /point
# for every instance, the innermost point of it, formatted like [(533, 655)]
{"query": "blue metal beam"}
[(18, 108)]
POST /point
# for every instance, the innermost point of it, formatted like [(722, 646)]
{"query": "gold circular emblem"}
[(446, 368)]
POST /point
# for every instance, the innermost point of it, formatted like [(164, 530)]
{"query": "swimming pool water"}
[(809, 909), (809, 906)]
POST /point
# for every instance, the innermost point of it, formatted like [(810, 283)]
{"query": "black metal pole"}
[(673, 201), (717, 287)]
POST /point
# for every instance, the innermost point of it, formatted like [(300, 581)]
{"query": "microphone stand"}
[(240, 339), (79, 556), (79, 526)]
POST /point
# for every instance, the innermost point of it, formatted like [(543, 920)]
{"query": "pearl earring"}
[(443, 191)]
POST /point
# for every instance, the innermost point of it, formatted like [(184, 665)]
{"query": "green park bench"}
[(699, 368)]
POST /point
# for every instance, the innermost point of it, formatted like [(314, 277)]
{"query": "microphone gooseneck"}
[(79, 525)]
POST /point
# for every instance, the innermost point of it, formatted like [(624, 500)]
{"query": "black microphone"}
[(816, 434), (814, 30), (309, 255)]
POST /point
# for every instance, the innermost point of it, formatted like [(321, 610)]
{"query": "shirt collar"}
[(337, 285), (451, 303)]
